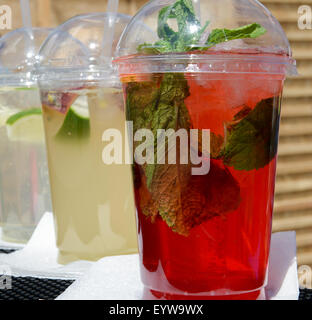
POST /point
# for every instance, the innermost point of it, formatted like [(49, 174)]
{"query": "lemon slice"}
[(76, 125), (5, 113), (80, 107), (26, 126)]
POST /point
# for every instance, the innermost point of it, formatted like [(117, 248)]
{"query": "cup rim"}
[(218, 62)]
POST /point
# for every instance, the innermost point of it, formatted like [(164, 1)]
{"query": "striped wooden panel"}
[(293, 201)]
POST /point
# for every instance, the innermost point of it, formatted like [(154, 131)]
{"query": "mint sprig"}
[(251, 143), (190, 31)]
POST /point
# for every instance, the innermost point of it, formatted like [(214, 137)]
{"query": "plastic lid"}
[(18, 55), (74, 51), (198, 28)]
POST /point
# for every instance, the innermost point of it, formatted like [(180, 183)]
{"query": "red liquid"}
[(225, 257)]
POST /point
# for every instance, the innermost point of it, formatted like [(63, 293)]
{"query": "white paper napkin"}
[(9, 245), (283, 281), (39, 257), (117, 278)]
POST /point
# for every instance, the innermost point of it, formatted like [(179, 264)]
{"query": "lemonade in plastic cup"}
[(81, 95), (24, 180)]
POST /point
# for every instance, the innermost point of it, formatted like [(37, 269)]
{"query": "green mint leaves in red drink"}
[(190, 31), (170, 190), (248, 143)]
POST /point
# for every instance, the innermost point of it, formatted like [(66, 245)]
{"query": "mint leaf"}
[(216, 144), (74, 128), (251, 143), (158, 104), (170, 112), (164, 31), (190, 31), (185, 201), (148, 48), (223, 35), (183, 12)]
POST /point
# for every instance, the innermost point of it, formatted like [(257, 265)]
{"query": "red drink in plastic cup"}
[(205, 236)]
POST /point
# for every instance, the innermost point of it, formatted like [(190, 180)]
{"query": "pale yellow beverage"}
[(93, 202), (24, 180)]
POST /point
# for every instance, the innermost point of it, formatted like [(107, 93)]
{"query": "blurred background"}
[(293, 202)]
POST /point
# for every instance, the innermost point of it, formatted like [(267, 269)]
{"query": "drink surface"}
[(207, 235), (93, 202), (24, 181)]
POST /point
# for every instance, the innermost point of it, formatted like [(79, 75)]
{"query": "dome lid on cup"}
[(205, 26), (78, 48), (19, 53)]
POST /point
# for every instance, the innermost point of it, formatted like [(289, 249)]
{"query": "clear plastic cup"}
[(205, 235), (82, 98), (24, 180)]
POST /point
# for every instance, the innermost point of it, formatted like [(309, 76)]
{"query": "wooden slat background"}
[(293, 205), (293, 200)]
